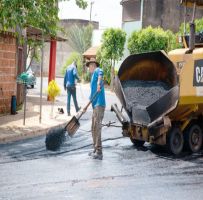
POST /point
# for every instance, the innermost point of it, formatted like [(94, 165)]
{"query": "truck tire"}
[(193, 138), (137, 143), (175, 141)]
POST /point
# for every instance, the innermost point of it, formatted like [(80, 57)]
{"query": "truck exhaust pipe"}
[(192, 31)]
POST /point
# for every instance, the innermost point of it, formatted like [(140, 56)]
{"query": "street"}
[(29, 171)]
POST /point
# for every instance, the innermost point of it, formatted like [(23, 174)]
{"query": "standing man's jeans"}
[(71, 91), (97, 117)]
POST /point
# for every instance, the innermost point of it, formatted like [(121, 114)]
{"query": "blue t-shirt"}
[(70, 76), (100, 99)]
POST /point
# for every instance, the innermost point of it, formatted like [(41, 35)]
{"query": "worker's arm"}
[(75, 73), (100, 80), (65, 81)]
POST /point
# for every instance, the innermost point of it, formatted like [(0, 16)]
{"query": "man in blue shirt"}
[(69, 84), (98, 106)]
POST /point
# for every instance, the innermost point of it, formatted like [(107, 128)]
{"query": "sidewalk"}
[(12, 128)]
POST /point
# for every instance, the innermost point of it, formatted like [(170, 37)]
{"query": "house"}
[(168, 14), (137, 14), (90, 53), (13, 62)]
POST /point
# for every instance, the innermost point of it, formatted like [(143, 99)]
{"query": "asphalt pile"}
[(143, 93), (55, 138)]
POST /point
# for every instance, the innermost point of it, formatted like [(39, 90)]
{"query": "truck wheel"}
[(175, 141), (137, 143), (193, 138)]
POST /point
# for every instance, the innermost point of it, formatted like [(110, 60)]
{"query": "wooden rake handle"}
[(85, 108), (91, 100)]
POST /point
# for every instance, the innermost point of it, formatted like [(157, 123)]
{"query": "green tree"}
[(80, 37), (42, 14), (198, 23), (113, 41), (105, 65), (151, 39), (74, 56), (33, 51)]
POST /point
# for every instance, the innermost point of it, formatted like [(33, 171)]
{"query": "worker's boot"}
[(98, 156), (91, 153)]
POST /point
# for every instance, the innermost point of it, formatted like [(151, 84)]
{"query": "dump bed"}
[(147, 86)]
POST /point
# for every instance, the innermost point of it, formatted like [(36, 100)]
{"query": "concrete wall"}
[(131, 26), (168, 14), (7, 71), (63, 48)]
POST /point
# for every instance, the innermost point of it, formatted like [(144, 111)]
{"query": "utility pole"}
[(91, 3)]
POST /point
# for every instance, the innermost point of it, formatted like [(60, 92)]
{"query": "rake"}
[(56, 136)]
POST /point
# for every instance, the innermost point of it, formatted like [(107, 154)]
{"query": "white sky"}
[(107, 12)]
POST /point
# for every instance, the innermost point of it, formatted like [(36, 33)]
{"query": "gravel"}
[(143, 93)]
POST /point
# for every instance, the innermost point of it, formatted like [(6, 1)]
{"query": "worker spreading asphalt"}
[(143, 93)]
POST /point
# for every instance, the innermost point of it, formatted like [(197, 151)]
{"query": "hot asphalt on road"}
[(29, 171)]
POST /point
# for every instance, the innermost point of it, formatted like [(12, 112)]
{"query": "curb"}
[(17, 137)]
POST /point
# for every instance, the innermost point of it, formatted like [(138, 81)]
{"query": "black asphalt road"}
[(29, 171)]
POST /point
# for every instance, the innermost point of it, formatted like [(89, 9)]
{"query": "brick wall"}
[(7, 71)]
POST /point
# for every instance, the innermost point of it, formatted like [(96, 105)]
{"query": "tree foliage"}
[(33, 51), (151, 39), (42, 14), (113, 41), (74, 56), (198, 23), (80, 38), (105, 65), (80, 3)]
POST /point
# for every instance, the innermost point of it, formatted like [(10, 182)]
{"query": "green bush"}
[(113, 41), (74, 56), (198, 23), (105, 65), (80, 37), (87, 76), (151, 39)]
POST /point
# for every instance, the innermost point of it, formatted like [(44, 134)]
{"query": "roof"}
[(91, 52), (9, 31), (36, 34)]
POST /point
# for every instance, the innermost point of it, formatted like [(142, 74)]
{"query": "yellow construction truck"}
[(162, 94)]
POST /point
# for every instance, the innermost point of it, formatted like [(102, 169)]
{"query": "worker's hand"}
[(79, 81), (98, 88), (84, 110)]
